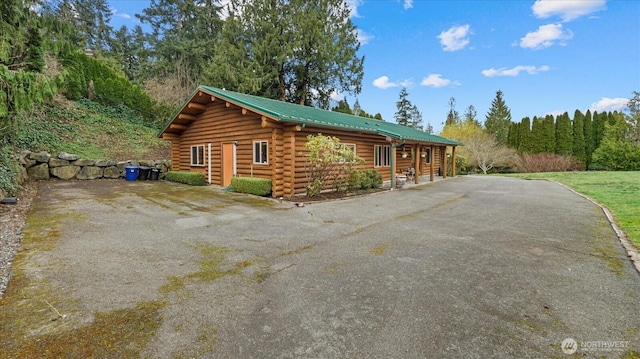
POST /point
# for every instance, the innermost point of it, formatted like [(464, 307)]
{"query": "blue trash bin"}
[(131, 172)]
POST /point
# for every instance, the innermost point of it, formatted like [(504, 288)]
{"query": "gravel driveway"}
[(470, 267)]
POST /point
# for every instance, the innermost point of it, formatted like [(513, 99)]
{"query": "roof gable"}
[(305, 115)]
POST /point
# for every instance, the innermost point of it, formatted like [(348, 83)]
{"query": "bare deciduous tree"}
[(486, 153)]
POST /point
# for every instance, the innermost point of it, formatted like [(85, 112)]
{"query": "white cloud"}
[(408, 83), (382, 82), (566, 9), (515, 71), (456, 38), (408, 4), (545, 36), (610, 104), (436, 80), (363, 37), (352, 5), (555, 113)]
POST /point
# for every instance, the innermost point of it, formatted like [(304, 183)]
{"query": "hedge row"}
[(364, 179), (251, 185), (190, 178)]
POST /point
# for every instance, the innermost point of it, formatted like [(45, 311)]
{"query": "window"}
[(260, 152), (349, 146), (197, 155), (381, 156), (427, 158)]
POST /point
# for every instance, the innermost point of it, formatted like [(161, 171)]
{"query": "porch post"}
[(432, 160), (416, 164), (443, 153), (453, 161)]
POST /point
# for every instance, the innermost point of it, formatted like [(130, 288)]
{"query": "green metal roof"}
[(305, 115)]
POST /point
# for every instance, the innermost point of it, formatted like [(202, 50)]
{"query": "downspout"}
[(393, 163)]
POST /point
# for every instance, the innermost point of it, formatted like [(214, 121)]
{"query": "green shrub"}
[(190, 178), (8, 172), (251, 185), (364, 179)]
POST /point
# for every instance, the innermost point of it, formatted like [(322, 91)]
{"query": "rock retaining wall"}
[(42, 166)]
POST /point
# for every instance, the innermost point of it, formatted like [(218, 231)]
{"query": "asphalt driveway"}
[(470, 267)]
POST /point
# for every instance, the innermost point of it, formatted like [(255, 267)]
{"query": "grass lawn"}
[(618, 191)]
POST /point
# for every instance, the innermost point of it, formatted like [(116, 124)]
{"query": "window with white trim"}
[(350, 146), (197, 155), (260, 152), (381, 156)]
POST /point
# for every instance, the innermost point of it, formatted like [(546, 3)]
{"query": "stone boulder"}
[(90, 172), (68, 156), (41, 157), (105, 163), (111, 172), (83, 162), (56, 162), (39, 172), (64, 172)]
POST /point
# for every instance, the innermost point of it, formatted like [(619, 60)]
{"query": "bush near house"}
[(251, 185), (190, 178), (364, 179)]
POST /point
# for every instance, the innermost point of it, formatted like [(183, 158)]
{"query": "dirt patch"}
[(332, 195)]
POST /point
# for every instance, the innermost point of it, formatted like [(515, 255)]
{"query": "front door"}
[(228, 161)]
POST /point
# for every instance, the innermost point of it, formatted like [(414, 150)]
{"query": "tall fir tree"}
[(471, 115), (404, 109), (589, 141), (453, 116), (416, 118), (537, 135), (564, 136), (578, 136), (599, 120), (513, 138), (549, 137), (498, 119), (524, 142)]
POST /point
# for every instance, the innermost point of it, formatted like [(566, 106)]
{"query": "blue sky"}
[(547, 56)]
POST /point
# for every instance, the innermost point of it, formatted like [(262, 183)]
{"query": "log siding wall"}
[(222, 122)]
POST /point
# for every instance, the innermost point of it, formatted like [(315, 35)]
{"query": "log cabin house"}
[(223, 134)]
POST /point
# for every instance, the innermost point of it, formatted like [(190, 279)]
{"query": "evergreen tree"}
[(428, 128), (599, 120), (405, 108), (564, 136), (524, 142), (343, 107), (498, 119), (589, 141), (357, 110), (92, 18), (453, 116), (549, 134), (183, 38), (578, 136), (470, 114), (537, 135), (514, 135), (416, 118), (295, 51)]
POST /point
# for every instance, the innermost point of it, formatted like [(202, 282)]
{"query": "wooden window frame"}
[(352, 145), (381, 156), (427, 159), (198, 159), (264, 153)]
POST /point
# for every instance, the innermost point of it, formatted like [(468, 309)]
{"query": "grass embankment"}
[(89, 130), (618, 191)]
